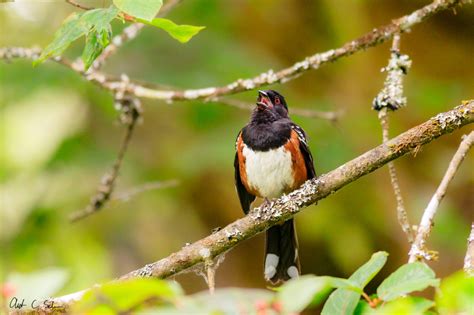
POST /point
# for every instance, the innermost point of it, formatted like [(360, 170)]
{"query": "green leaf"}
[(182, 33), (341, 283), (76, 26), (369, 270), (96, 41), (99, 19), (125, 295), (297, 294), (456, 294), (408, 278), (143, 9), (343, 301), (70, 30)]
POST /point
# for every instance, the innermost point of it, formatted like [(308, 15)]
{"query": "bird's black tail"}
[(281, 255)]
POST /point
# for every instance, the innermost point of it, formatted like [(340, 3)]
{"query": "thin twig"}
[(129, 33), (418, 249), (97, 77), (331, 116), (391, 97), (469, 259), (401, 212), (372, 302), (78, 5), (9, 53), (396, 43), (106, 187), (285, 207), (210, 276)]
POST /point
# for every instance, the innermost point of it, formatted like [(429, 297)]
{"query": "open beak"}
[(263, 101)]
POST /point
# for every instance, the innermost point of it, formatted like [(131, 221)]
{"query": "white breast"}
[(269, 172)]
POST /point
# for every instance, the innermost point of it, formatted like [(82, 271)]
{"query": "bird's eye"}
[(277, 100)]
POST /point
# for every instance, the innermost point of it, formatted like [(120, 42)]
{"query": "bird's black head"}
[(272, 101), (269, 126)]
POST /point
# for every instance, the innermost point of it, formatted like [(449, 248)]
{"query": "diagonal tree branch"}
[(285, 207), (370, 39), (418, 249)]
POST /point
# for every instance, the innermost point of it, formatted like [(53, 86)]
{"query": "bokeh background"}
[(60, 134)]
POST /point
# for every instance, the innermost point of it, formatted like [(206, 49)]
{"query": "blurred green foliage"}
[(151, 296), (59, 134)]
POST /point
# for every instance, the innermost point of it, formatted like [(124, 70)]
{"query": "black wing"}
[(304, 148), (245, 197)]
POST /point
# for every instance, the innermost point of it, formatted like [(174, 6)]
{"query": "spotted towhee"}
[(273, 158)]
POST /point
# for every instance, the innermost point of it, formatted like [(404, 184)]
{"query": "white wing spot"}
[(301, 135)]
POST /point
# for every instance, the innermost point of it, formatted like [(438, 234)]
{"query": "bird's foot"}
[(266, 202)]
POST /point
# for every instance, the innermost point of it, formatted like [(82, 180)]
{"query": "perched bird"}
[(273, 158)]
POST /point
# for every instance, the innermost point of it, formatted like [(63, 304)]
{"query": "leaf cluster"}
[(95, 25), (392, 297)]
